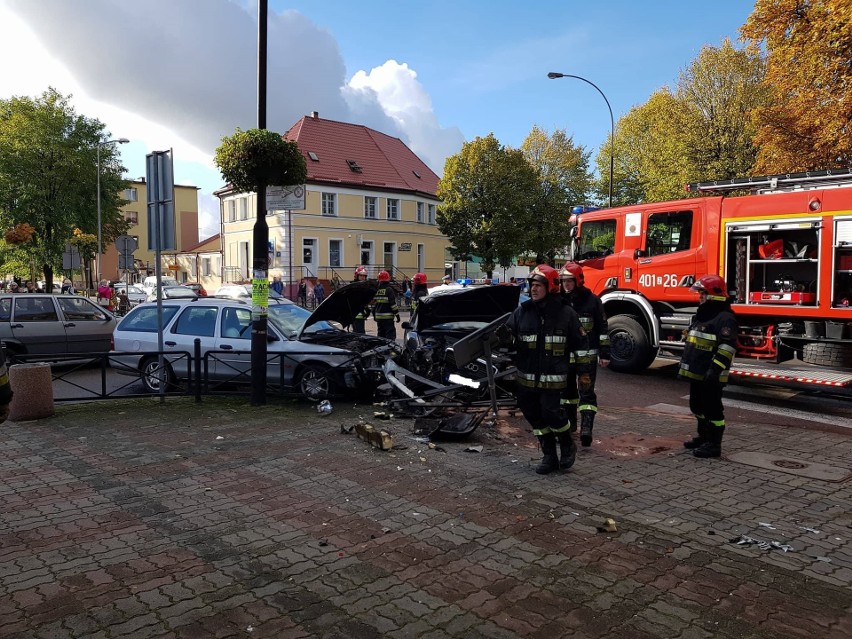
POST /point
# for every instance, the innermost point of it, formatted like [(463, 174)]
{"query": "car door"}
[(88, 329), (35, 324), (192, 322)]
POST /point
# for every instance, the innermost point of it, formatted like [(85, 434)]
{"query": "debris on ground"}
[(380, 439), (324, 407), (745, 540), (473, 449), (608, 526), (346, 430)]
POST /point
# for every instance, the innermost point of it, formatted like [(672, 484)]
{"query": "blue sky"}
[(181, 73)]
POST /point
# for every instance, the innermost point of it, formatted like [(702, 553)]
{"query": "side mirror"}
[(272, 337), (638, 253)]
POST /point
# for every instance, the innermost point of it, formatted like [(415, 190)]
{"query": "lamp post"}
[(553, 75), (100, 247)]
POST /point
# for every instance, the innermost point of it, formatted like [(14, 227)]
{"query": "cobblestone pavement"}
[(140, 519)]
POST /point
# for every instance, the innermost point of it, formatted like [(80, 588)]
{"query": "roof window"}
[(313, 156), (416, 174), (353, 166)]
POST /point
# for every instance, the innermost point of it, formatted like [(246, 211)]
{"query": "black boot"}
[(567, 450), (712, 447), (587, 421), (571, 414), (550, 461), (702, 436)]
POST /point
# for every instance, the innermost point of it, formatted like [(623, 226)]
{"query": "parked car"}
[(445, 316), (196, 286), (314, 367), (135, 293), (42, 324), (242, 292), (150, 282), (172, 292)]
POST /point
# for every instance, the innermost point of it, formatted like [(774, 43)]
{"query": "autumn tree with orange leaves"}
[(808, 44)]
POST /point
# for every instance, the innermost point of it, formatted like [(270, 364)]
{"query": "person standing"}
[(385, 309), (277, 285), (546, 332), (5, 387), (319, 292), (420, 289), (358, 323), (105, 294), (580, 394), (711, 343), (303, 292)]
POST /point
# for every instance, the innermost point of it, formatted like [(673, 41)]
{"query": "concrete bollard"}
[(32, 385)]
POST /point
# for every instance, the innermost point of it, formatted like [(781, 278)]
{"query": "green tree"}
[(48, 176), (564, 180), (486, 189), (258, 157), (808, 123)]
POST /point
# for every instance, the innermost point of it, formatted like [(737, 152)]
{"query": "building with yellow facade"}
[(369, 200)]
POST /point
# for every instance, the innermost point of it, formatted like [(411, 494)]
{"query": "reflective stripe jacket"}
[(589, 308), (420, 291), (546, 334), (711, 343), (384, 303)]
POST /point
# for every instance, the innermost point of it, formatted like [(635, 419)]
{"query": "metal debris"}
[(745, 540), (324, 407), (763, 524)]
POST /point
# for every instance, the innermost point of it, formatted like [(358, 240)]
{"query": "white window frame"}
[(432, 214), (206, 266), (421, 258), (371, 204), (131, 217), (328, 204), (243, 208), (392, 203), (131, 194), (341, 259), (232, 210), (315, 262), (420, 212), (370, 247), (392, 253)]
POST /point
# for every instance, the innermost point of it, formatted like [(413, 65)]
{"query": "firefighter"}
[(420, 289), (711, 343), (546, 332), (385, 309), (580, 394), (358, 323)]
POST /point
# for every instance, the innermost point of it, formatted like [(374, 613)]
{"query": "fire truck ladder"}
[(781, 182)]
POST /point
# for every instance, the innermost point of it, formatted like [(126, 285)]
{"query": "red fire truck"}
[(785, 250)]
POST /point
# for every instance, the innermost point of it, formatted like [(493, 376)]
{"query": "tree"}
[(258, 157), (48, 176), (808, 124), (563, 179), (485, 190)]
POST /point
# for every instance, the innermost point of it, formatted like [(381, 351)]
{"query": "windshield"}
[(290, 318)]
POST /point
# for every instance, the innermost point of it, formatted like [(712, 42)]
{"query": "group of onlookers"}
[(13, 286)]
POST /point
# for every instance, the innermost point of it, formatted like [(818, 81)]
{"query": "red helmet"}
[(384, 276), (548, 275), (574, 271), (713, 285), (419, 278), (360, 270)]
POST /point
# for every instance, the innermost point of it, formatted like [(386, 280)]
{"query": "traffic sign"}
[(70, 257), (126, 244)]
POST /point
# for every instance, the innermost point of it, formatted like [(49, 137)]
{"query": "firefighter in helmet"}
[(711, 343), (420, 289), (385, 309), (546, 332), (358, 323), (580, 394)]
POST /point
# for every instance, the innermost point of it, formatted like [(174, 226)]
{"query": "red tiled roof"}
[(213, 241), (385, 163)]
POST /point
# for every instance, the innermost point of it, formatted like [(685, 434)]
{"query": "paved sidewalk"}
[(139, 519)]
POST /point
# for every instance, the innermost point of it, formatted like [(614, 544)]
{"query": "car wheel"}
[(827, 354), (315, 381), (153, 377), (630, 351)]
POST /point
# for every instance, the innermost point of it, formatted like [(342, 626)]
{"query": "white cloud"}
[(183, 74)]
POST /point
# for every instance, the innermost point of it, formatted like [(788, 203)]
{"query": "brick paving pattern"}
[(139, 519)]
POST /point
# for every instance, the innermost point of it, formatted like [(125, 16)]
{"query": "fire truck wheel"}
[(630, 350), (827, 354)]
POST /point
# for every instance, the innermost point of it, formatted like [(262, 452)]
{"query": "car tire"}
[(152, 378), (315, 381), (630, 351), (827, 354)]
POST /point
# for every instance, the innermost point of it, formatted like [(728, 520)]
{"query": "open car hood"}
[(343, 304), (469, 304)]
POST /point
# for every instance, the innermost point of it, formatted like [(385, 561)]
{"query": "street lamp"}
[(553, 75), (100, 248)]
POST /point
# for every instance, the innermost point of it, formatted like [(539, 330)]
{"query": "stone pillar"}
[(32, 385)]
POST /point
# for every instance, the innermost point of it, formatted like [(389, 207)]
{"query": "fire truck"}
[(785, 250)]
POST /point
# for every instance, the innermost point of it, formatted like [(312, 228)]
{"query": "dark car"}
[(445, 316)]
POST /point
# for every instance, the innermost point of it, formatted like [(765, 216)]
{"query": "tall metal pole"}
[(553, 75), (260, 237), (100, 248)]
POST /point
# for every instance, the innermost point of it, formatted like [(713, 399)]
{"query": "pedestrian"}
[(67, 287), (420, 290), (446, 280), (358, 325), (104, 294), (30, 287), (546, 332), (5, 387), (13, 287), (277, 285), (589, 309), (711, 343), (303, 292), (319, 292), (385, 309)]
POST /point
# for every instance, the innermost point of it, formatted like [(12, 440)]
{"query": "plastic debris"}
[(324, 407), (473, 449), (763, 524), (608, 526), (219, 437), (745, 540), (810, 530), (823, 559)]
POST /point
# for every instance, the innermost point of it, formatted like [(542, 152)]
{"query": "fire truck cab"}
[(785, 250)]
